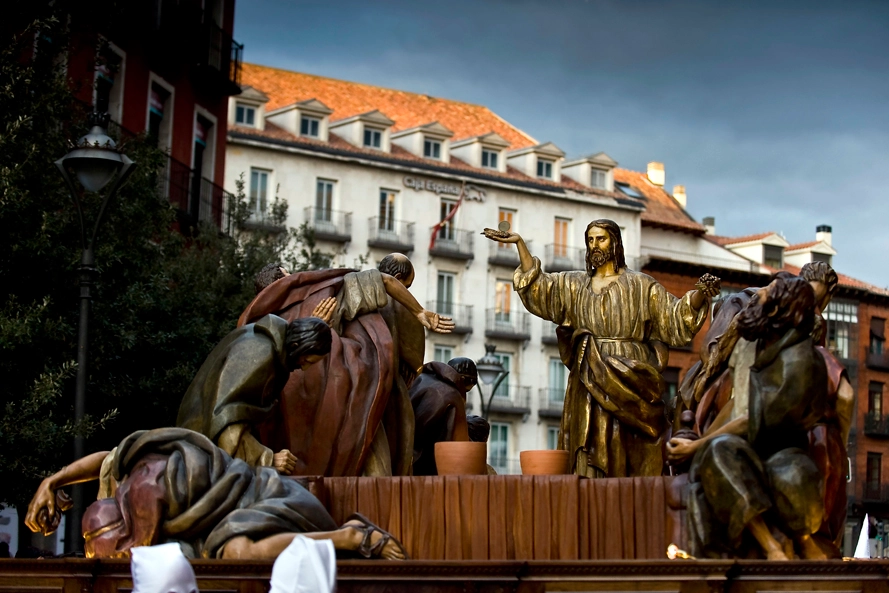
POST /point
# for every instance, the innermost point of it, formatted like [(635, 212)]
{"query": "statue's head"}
[(787, 302), (823, 280), (479, 428), (399, 267), (468, 372), (133, 517), (603, 244), (308, 340), (268, 274)]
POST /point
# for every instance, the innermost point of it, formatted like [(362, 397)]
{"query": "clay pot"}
[(455, 458), (544, 463)]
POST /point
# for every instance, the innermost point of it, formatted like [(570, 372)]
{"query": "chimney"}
[(823, 233), (709, 223), (679, 195), (656, 173)]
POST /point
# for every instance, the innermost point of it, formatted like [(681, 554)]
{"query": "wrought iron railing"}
[(218, 51), (551, 400), (329, 225), (453, 243), (510, 398), (196, 198), (504, 254), (876, 425), (461, 314), (878, 362), (509, 325), (548, 332), (505, 466), (386, 233), (561, 258)]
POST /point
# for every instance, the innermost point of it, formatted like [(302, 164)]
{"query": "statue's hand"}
[(42, 509), (284, 461), (501, 236), (435, 322), (709, 285), (324, 309), (680, 449)]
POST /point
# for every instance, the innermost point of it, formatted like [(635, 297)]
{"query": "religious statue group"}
[(324, 375)]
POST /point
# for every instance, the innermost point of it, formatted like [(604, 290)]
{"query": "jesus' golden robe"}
[(613, 345)]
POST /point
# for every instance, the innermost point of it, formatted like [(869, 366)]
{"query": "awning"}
[(878, 328)]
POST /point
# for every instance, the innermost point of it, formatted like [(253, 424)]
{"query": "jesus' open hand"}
[(501, 236)]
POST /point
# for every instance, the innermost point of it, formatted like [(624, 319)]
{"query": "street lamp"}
[(489, 371), (95, 162)]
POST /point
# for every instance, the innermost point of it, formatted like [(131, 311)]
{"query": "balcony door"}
[(560, 237), (498, 447), (558, 380), (387, 211), (446, 231), (502, 301), (445, 296)]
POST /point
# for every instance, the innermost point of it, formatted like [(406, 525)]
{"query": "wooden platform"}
[(685, 576)]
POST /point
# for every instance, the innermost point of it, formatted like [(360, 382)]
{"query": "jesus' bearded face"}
[(598, 248)]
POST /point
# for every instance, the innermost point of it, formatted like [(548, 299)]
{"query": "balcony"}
[(505, 466), (511, 399), (218, 57), (329, 225), (453, 243), (548, 333), (461, 314), (876, 425), (877, 362), (511, 325), (197, 199), (504, 254), (561, 258), (551, 402), (877, 493), (391, 235)]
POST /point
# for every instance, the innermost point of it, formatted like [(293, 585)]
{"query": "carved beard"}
[(596, 258)]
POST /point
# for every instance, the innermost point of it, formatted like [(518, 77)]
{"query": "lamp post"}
[(95, 162), (489, 371)]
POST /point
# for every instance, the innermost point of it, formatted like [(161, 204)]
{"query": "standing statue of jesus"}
[(614, 328)]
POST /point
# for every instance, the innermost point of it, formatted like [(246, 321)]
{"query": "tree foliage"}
[(162, 298)]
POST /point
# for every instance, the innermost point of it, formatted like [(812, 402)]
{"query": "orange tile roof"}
[(847, 281), (661, 209), (801, 246), (407, 110), (720, 240)]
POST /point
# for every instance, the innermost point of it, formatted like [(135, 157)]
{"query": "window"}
[(544, 169), (202, 160), (509, 216), (159, 126), (373, 138), (245, 115), (498, 447), (773, 256), (875, 399), (308, 126), (446, 231), (387, 210), (324, 200), (558, 380), (842, 327), (443, 353), (877, 335), (502, 300), (825, 257), (671, 386), (259, 188), (872, 484), (560, 237), (432, 149), (446, 293), (489, 159), (109, 83), (552, 437), (598, 178), (506, 361)]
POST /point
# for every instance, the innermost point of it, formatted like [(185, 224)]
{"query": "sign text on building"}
[(442, 188)]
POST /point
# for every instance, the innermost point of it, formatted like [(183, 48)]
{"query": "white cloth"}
[(306, 565), (862, 550), (162, 569)]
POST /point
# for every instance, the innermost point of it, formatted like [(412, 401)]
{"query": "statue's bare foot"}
[(809, 549), (358, 530)]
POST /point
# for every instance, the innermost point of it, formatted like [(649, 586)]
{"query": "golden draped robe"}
[(613, 345)]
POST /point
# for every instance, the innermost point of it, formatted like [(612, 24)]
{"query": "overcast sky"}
[(774, 115)]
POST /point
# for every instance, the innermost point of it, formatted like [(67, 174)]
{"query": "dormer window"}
[(309, 126), (489, 159), (544, 169), (598, 179), (432, 149), (773, 256), (245, 115), (373, 138)]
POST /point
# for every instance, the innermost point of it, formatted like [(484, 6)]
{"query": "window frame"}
[(324, 212), (432, 148), (310, 123), (246, 107), (439, 350), (260, 206), (598, 175), (375, 134), (386, 213), (492, 157), (498, 446), (545, 168)]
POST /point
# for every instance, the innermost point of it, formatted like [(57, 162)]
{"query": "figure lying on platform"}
[(339, 417), (751, 473), (438, 397), (175, 485), (238, 385)]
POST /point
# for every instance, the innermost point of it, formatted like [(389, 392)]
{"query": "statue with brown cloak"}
[(338, 417)]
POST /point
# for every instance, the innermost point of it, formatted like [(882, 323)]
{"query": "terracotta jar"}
[(454, 458), (544, 463)]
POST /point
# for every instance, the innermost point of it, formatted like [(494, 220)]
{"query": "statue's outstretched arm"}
[(525, 259), (43, 505), (430, 320)]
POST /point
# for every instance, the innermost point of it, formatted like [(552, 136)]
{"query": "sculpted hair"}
[(617, 244), (268, 274), (464, 366), (819, 271), (479, 429), (790, 302), (396, 265), (306, 336)]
